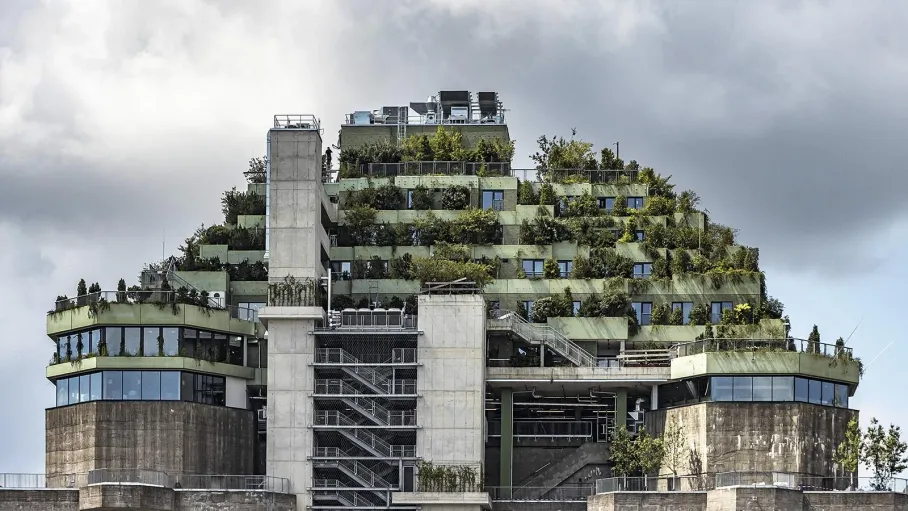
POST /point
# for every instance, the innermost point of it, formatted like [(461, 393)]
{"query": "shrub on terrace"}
[(556, 306), (583, 206), (455, 197), (421, 198), (619, 208), (235, 203), (526, 195)]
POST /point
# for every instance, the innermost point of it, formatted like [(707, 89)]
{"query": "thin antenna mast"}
[(878, 356), (855, 330)]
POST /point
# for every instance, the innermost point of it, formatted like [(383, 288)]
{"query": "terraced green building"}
[(421, 317)]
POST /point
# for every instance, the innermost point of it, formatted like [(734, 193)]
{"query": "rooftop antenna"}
[(878, 356), (855, 330)]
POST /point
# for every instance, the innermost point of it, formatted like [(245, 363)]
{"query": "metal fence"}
[(146, 477), (664, 483), (792, 345), (101, 300), (572, 493), (436, 168), (803, 482)]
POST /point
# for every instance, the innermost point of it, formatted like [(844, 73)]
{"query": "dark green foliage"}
[(359, 221), (687, 201), (235, 203), (610, 305), (550, 269), (607, 263), (351, 158), (526, 195), (257, 170), (660, 314), (401, 267), (395, 303), (661, 269), (455, 197), (386, 197), (557, 306), (246, 271), (544, 230), (81, 288), (620, 206), (699, 314), (377, 268), (421, 198), (547, 195), (584, 205)]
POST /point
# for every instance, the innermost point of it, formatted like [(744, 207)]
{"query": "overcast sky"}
[(122, 122)]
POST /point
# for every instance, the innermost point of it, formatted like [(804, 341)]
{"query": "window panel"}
[(635, 202), (187, 386), (62, 344), (493, 199), (409, 199), (151, 338), (640, 235), (74, 390), (113, 336), (643, 270), (171, 341), (188, 344), (113, 385), (151, 385), (802, 391), (96, 383), (744, 389), (643, 311), (841, 396), (235, 350), (815, 391), (762, 388), (533, 267), (133, 339), (722, 388), (132, 385), (576, 307), (783, 388), (565, 268), (685, 307), (827, 397), (252, 354), (607, 203), (717, 308), (84, 388), (528, 307), (63, 392), (170, 385)]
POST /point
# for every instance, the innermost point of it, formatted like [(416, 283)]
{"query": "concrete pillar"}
[(621, 408), (505, 479), (295, 245), (654, 398)]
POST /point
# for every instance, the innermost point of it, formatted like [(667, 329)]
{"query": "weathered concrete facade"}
[(740, 498), (104, 497), (174, 437), (759, 437)]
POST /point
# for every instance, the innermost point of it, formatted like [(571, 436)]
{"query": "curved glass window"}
[(778, 389), (141, 386), (153, 341)]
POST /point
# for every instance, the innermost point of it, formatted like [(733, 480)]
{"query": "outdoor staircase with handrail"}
[(545, 335), (370, 409), (362, 437)]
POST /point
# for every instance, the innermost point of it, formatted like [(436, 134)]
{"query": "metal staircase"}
[(542, 334), (346, 498), (370, 409), (361, 437), (377, 379), (358, 472)]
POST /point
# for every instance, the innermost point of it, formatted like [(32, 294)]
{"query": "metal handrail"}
[(715, 345), (548, 336), (150, 296), (147, 477)]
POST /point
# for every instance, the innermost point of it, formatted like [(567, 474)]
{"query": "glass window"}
[(252, 354), (744, 390), (188, 344), (409, 199), (220, 347), (644, 311), (635, 202), (170, 385), (263, 353), (528, 307), (841, 396), (640, 235), (133, 339), (565, 268), (685, 310), (802, 392), (114, 336), (95, 342), (828, 394), (762, 386), (607, 203), (151, 385), (722, 388), (113, 385), (643, 270), (171, 341), (782, 388), (235, 351), (187, 386), (532, 267), (815, 391), (151, 339), (209, 389), (493, 199), (132, 385), (717, 308), (62, 344), (74, 390), (84, 388), (62, 392), (576, 308), (96, 382)]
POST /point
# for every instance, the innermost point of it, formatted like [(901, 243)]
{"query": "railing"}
[(423, 120), (335, 418), (545, 335), (297, 121), (661, 358), (149, 477), (340, 387), (189, 481), (803, 482), (584, 175), (662, 483), (327, 452), (457, 287), (403, 355), (373, 375), (578, 493), (101, 299), (403, 451), (371, 407), (29, 481), (326, 483), (436, 168), (791, 345), (357, 469), (546, 429), (337, 356)]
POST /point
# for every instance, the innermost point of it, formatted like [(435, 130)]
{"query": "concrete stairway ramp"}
[(541, 334), (572, 461), (370, 409)]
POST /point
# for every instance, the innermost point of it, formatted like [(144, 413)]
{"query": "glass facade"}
[(778, 389), (153, 341), (141, 386)]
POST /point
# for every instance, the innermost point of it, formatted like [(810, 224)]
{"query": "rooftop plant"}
[(234, 203), (257, 170)]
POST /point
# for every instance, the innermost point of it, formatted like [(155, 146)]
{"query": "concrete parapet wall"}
[(169, 436), (236, 500), (733, 499), (39, 500), (651, 501), (104, 497)]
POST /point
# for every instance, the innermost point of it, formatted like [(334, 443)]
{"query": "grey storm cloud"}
[(118, 120)]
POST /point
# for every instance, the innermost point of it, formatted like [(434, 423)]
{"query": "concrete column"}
[(621, 408), (507, 439), (654, 398)]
